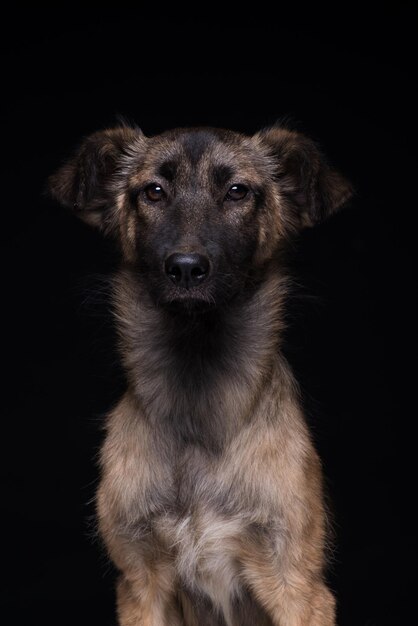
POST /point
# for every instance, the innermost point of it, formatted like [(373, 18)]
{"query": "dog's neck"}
[(184, 368)]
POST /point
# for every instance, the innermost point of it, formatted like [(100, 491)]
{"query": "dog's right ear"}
[(87, 183)]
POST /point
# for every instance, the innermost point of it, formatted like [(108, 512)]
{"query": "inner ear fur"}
[(313, 189), (83, 184)]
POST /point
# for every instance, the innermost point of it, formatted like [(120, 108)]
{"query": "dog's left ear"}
[(311, 187)]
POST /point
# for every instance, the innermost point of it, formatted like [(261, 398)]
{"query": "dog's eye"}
[(154, 192), (236, 192)]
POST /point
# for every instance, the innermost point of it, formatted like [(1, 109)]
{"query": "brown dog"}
[(210, 502)]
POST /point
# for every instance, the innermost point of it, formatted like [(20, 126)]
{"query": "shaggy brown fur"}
[(210, 501)]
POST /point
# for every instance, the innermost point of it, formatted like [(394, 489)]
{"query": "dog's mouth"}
[(189, 300)]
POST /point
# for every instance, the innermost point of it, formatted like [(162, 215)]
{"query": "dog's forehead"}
[(179, 152)]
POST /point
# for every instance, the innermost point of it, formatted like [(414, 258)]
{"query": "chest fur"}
[(199, 509)]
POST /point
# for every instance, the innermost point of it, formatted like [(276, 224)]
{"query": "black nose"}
[(187, 270)]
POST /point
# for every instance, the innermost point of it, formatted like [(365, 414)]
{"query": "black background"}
[(345, 76)]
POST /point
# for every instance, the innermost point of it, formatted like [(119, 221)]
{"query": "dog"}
[(211, 502)]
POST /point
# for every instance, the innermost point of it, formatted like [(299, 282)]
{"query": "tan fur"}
[(271, 475), (210, 501)]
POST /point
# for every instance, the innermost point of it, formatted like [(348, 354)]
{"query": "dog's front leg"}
[(148, 600), (290, 597)]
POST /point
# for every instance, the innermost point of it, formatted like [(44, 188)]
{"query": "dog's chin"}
[(188, 304), (189, 301)]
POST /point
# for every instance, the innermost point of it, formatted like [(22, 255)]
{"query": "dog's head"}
[(198, 212)]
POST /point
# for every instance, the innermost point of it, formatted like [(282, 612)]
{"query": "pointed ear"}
[(312, 188), (84, 183)]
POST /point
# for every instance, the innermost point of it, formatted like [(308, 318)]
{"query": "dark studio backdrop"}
[(345, 76)]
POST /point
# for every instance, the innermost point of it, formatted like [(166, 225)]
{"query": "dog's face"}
[(199, 212)]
